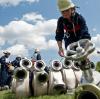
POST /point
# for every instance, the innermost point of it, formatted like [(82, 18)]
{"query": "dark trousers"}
[(5, 77)]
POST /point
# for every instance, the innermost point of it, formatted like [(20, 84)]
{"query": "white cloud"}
[(34, 17), (30, 35), (96, 40), (18, 28), (18, 49), (52, 44), (1, 29), (94, 29), (15, 2), (94, 56), (22, 35), (2, 41), (42, 26)]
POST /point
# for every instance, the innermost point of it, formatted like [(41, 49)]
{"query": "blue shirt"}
[(72, 31)]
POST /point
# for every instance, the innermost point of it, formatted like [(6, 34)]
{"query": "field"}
[(9, 95)]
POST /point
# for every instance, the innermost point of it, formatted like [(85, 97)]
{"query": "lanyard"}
[(66, 34), (66, 30)]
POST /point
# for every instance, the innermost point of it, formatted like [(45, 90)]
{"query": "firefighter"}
[(71, 25), (5, 78)]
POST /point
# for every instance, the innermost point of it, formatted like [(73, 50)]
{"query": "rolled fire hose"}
[(56, 83), (87, 91), (20, 83), (26, 63), (67, 64), (40, 83), (40, 78), (39, 65)]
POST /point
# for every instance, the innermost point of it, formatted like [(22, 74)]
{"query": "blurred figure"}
[(5, 77), (16, 62), (37, 55), (98, 52), (92, 65)]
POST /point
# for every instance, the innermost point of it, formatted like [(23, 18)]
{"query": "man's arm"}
[(59, 43), (84, 29), (59, 36)]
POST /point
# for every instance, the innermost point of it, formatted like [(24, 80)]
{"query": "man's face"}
[(67, 13)]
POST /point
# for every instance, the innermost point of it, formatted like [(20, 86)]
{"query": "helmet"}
[(65, 4), (18, 57), (6, 53)]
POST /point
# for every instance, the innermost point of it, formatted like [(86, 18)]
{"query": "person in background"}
[(5, 78), (16, 62), (37, 55), (71, 25)]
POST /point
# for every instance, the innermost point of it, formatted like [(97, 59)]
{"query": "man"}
[(4, 75), (37, 55), (71, 26)]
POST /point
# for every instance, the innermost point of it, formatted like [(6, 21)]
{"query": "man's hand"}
[(61, 52)]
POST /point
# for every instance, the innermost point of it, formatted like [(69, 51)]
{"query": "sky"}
[(29, 24)]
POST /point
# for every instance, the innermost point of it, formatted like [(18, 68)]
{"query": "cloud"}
[(52, 44), (94, 29), (34, 31), (18, 49), (95, 56), (2, 41), (96, 40), (15, 2), (42, 26), (30, 35), (34, 17)]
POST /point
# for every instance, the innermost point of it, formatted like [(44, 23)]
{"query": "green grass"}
[(9, 95), (6, 95), (98, 66)]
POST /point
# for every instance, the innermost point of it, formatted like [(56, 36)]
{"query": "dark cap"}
[(6, 53)]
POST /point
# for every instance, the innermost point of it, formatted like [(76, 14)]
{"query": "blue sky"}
[(29, 24)]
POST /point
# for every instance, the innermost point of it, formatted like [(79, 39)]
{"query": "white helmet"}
[(65, 4), (37, 50)]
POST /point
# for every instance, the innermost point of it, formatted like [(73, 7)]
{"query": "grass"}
[(6, 95), (98, 66), (9, 95)]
